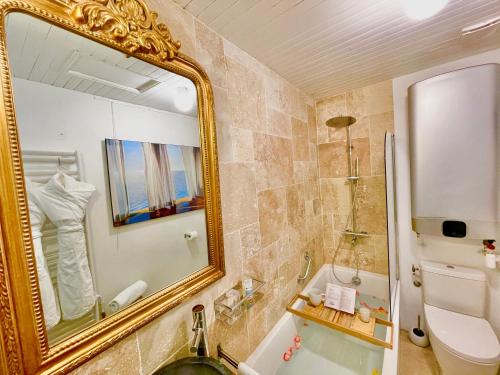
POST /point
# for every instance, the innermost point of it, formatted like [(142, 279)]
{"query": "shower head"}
[(340, 121)]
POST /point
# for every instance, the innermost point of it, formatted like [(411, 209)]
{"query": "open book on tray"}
[(340, 298)]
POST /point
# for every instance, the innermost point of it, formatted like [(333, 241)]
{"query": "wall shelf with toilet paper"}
[(230, 306), (350, 324)]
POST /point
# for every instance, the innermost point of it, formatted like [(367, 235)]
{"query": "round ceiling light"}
[(183, 100), (422, 9)]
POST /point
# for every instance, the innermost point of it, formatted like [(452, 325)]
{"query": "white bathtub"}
[(267, 359)]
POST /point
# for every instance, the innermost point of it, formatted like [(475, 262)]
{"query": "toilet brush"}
[(418, 336)]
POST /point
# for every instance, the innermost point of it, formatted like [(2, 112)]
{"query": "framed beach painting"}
[(152, 180)]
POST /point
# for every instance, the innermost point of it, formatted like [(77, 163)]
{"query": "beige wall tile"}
[(210, 53), (272, 214), (223, 128), (311, 181), (122, 358), (311, 122), (279, 124), (378, 98), (356, 103), (247, 99), (381, 254), (273, 161), (361, 151), (371, 209), (300, 139), (360, 129), (250, 240), (332, 159), (234, 256), (379, 125), (335, 196), (239, 206), (242, 140), (163, 337), (296, 210)]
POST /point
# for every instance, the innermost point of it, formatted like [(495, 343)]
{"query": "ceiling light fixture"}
[(183, 99), (91, 69), (481, 26), (422, 9), (103, 81)]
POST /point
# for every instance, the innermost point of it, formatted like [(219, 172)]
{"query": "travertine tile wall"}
[(373, 108), (271, 203)]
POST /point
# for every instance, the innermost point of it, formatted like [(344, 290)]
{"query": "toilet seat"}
[(465, 336)]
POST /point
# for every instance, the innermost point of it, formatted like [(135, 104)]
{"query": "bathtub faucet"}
[(200, 339)]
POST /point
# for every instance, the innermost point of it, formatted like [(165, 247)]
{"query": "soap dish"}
[(230, 306)]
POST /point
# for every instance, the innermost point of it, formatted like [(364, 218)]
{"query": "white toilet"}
[(454, 304)]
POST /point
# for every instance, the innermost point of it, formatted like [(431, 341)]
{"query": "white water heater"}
[(455, 157)]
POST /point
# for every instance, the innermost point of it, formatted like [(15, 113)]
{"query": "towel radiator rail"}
[(39, 166)]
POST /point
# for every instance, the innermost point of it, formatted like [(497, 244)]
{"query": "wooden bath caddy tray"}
[(349, 324)]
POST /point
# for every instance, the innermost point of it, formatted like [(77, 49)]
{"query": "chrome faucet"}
[(200, 339)]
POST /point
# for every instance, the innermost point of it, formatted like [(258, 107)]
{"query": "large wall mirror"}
[(119, 168)]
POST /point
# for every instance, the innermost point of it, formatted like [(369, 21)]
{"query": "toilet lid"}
[(466, 336)]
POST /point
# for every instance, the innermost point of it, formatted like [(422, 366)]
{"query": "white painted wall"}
[(155, 251), (411, 249)]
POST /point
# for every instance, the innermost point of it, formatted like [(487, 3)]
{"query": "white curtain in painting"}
[(189, 161), (118, 186), (64, 199), (199, 171), (51, 312), (159, 180)]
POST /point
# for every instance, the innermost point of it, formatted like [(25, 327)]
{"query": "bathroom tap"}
[(199, 344)]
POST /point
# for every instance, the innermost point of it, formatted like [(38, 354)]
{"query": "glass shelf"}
[(231, 305)]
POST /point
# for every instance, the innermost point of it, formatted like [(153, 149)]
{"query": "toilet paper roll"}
[(191, 235), (128, 296), (491, 261)]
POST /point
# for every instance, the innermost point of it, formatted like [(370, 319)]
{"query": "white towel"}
[(51, 312), (63, 200), (244, 369), (128, 296)]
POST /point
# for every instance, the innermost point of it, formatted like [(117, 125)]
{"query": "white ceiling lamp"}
[(422, 9), (183, 100)]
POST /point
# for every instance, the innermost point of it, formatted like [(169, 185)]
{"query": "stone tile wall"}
[(271, 205), (373, 108)]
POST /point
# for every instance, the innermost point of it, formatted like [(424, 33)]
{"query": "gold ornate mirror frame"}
[(128, 26)]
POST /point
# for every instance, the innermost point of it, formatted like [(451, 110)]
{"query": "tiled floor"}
[(414, 360)]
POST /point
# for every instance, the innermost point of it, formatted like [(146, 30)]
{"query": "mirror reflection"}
[(112, 164)]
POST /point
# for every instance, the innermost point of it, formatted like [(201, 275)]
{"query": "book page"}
[(347, 300), (333, 296)]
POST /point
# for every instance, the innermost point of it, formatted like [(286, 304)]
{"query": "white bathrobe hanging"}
[(63, 199), (51, 312)]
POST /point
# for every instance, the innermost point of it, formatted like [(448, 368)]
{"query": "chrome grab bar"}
[(308, 269), (222, 354)]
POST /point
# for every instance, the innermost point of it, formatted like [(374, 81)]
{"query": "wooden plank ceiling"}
[(41, 52), (329, 46)]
